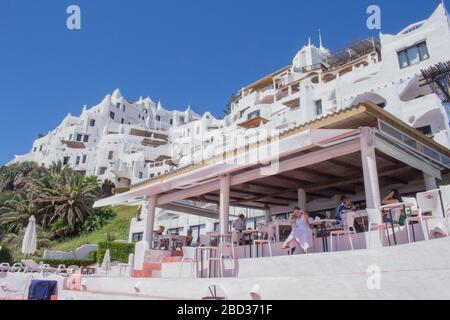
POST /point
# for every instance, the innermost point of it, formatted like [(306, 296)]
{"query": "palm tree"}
[(66, 195), (16, 212)]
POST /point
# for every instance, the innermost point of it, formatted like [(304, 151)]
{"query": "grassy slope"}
[(118, 228)]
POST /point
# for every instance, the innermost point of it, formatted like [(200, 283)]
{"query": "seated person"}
[(189, 238), (345, 206), (160, 231), (240, 224), (393, 197)]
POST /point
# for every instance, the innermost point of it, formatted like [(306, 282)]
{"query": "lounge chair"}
[(17, 292)]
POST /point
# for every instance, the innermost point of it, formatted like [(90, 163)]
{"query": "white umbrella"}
[(29, 240), (106, 264)]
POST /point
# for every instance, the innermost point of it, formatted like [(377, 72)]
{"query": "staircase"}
[(153, 261)]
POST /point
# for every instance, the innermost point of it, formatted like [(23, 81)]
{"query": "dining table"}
[(200, 253), (325, 225), (388, 209)]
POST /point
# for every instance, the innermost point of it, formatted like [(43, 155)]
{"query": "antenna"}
[(320, 39)]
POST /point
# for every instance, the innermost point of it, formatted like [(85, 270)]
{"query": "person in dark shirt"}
[(345, 206)]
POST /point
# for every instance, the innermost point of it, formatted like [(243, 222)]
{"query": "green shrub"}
[(67, 262), (6, 256), (93, 256), (119, 251)]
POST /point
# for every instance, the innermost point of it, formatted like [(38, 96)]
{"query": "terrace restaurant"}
[(362, 152)]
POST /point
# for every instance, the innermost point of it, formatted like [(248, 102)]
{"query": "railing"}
[(413, 144)]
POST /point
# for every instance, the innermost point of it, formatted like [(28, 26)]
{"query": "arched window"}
[(158, 118)]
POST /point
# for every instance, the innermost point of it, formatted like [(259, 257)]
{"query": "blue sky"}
[(195, 52)]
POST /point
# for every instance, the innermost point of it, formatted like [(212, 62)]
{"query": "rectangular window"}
[(319, 110), (413, 55), (70, 137), (78, 160), (84, 158), (92, 123), (86, 138), (102, 171), (110, 155), (253, 115), (79, 137), (112, 115), (123, 108), (136, 237), (141, 175), (66, 161)]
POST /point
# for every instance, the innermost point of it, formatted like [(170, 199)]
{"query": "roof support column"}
[(268, 214), (224, 214), (369, 162), (150, 219), (302, 203), (430, 182)]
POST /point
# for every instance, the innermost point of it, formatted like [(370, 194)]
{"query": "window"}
[(413, 55), (141, 175), (181, 120), (118, 105), (66, 161), (86, 138), (196, 231), (84, 158), (122, 121), (110, 155), (123, 108), (426, 130), (112, 115), (79, 137), (92, 123), (136, 237), (158, 118), (253, 115), (40, 148), (34, 149), (102, 171), (175, 231), (78, 160), (171, 121), (70, 137), (319, 110)]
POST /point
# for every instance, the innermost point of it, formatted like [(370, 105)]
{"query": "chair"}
[(188, 257), (269, 231), (431, 202), (416, 213), (375, 223), (226, 252), (215, 292), (347, 230), (445, 193), (18, 292), (204, 240)]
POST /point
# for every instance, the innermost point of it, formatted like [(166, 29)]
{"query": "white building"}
[(130, 143)]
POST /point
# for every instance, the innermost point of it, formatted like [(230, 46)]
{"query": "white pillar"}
[(224, 213), (302, 199), (369, 162), (430, 182), (150, 219), (268, 214)]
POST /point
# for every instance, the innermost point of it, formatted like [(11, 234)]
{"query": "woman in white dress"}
[(301, 231)]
